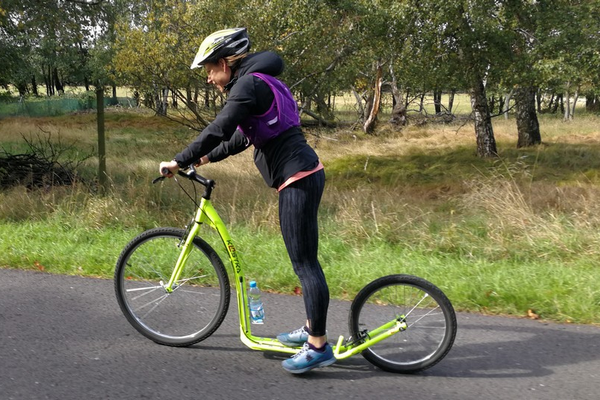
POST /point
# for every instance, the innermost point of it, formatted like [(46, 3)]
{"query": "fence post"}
[(102, 175)]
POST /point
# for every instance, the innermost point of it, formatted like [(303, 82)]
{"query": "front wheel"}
[(429, 316), (195, 307)]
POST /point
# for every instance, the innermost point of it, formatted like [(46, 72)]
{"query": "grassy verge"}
[(552, 288), (498, 236)]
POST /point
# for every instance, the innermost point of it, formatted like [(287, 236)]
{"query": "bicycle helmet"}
[(221, 44)]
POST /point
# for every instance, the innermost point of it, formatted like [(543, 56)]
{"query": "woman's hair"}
[(233, 61)]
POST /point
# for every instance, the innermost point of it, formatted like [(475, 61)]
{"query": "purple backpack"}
[(281, 116)]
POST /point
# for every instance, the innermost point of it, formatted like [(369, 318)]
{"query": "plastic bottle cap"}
[(252, 283)]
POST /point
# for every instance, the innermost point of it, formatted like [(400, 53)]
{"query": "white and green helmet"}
[(220, 44)]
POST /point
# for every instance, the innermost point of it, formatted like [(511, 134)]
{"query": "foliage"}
[(330, 47), (155, 51), (54, 42)]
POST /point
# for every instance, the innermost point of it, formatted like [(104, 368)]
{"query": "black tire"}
[(191, 312), (428, 313)]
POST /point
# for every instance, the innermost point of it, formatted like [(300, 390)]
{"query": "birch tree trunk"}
[(437, 101), (507, 103), (451, 100), (369, 124), (399, 110), (486, 143), (567, 103), (567, 108), (574, 103), (359, 103), (161, 100), (165, 99), (528, 127)]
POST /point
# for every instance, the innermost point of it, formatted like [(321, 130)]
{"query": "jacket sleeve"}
[(235, 145), (240, 104)]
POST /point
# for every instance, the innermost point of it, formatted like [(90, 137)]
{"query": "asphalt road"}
[(64, 337)]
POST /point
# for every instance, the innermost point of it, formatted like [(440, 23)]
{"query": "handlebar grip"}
[(164, 171)]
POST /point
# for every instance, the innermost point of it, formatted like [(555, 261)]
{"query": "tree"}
[(520, 20), (485, 47), (568, 59), (48, 41), (528, 127), (159, 41), (156, 44), (14, 49), (474, 46)]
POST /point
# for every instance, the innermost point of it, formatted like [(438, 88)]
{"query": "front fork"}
[(186, 249)]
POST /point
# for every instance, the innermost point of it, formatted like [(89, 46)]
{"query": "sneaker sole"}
[(319, 365)]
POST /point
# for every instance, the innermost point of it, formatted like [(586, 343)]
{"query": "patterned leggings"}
[(298, 207)]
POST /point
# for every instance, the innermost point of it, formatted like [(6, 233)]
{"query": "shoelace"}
[(305, 348), (299, 330)]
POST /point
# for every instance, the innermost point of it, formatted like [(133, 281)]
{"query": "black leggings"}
[(298, 206)]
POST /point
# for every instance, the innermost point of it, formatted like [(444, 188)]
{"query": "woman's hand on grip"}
[(168, 168)]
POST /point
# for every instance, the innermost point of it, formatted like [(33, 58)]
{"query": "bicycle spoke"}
[(198, 301), (156, 304), (190, 279), (417, 305), (144, 288), (147, 267), (423, 316), (430, 319)]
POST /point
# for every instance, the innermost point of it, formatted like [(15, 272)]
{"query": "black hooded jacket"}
[(281, 157)]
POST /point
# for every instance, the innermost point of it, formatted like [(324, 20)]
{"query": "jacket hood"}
[(265, 62)]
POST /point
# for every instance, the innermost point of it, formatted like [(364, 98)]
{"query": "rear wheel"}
[(200, 299), (429, 315)]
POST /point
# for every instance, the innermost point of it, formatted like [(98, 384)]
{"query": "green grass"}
[(556, 290), (498, 236)]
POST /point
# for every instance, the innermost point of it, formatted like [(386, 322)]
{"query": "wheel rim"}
[(190, 310), (426, 333)]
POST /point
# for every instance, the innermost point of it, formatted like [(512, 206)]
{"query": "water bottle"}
[(257, 312)]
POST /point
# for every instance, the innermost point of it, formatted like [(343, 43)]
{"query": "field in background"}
[(516, 235), (344, 105)]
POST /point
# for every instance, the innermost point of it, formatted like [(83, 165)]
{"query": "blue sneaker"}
[(307, 359), (295, 338)]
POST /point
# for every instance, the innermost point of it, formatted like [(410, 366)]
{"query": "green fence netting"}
[(56, 106)]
